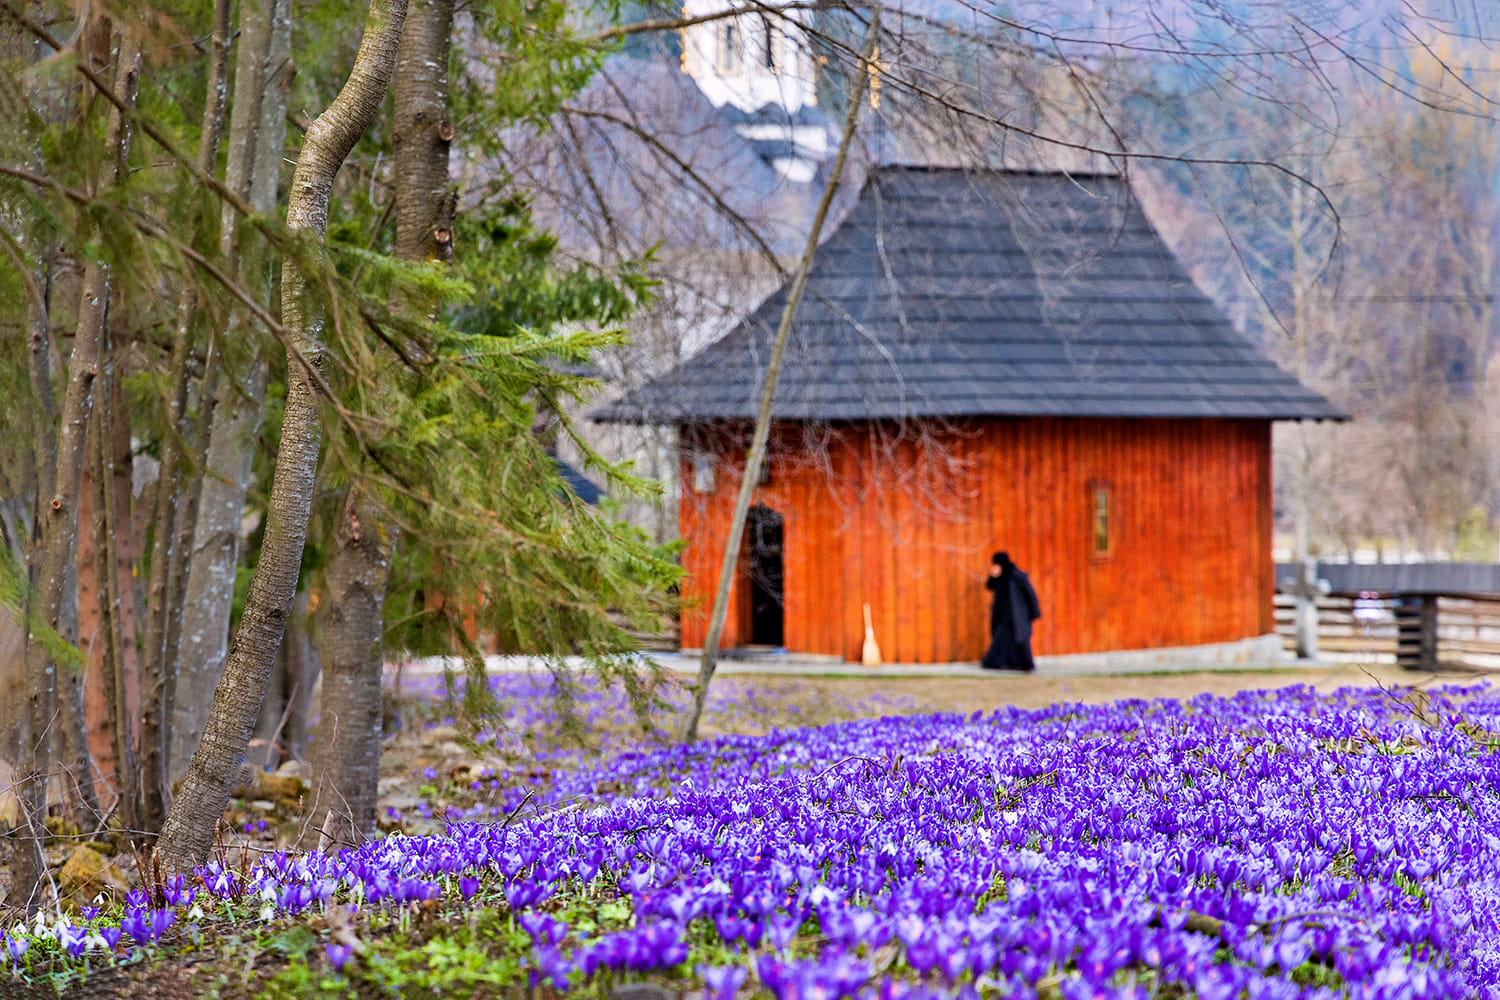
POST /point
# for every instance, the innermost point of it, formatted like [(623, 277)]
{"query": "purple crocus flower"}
[(221, 882), (721, 982), (550, 966), (178, 892), (16, 946), (111, 936), (160, 921), (137, 923), (467, 887), (544, 930), (294, 898), (73, 939), (338, 955)]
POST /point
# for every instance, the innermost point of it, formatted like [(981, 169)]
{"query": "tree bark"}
[(168, 560), (75, 764), (111, 660), (257, 131), (346, 757), (862, 71), (346, 749), (425, 199), (194, 817), (303, 666), (57, 522)]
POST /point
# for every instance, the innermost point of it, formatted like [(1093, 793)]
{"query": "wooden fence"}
[(1468, 630)]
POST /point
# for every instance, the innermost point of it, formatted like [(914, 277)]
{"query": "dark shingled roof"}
[(580, 484), (950, 292)]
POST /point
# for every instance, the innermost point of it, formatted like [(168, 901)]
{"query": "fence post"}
[(1417, 632), (1306, 588)]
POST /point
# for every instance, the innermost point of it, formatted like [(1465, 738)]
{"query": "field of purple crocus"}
[(1272, 844)]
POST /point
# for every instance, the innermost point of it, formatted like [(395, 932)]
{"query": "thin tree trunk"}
[(265, 740), (14, 712), (57, 522), (768, 394), (195, 814), (303, 666), (281, 731), (111, 634), (168, 560), (346, 750), (125, 544), (75, 764), (31, 713), (257, 131)]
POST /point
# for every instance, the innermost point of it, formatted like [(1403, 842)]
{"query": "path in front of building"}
[(965, 687), (986, 691)]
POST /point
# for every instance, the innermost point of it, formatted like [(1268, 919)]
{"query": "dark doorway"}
[(763, 527)]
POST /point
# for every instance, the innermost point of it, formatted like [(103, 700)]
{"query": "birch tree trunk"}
[(257, 131), (346, 750), (57, 522), (756, 457), (195, 814)]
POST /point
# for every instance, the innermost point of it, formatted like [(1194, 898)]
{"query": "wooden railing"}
[(1468, 630)]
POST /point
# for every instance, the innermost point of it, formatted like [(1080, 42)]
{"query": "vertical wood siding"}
[(907, 522)]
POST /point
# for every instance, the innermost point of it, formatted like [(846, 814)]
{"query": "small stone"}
[(286, 789), (263, 805), (296, 769), (86, 874)]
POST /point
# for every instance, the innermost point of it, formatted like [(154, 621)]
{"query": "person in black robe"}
[(1014, 609)]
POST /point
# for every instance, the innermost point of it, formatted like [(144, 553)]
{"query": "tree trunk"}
[(346, 758), (111, 659), (265, 751), (425, 199), (281, 732), (862, 72), (257, 131), (346, 750), (194, 818), (169, 561), (303, 665), (75, 764), (57, 523)]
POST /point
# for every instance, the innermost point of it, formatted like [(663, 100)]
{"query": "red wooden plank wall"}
[(905, 519)]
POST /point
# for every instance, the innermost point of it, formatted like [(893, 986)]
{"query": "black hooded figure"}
[(1011, 615)]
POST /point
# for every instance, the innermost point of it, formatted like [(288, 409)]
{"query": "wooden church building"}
[(984, 360)]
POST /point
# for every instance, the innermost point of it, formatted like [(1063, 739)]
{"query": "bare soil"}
[(1030, 691)]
